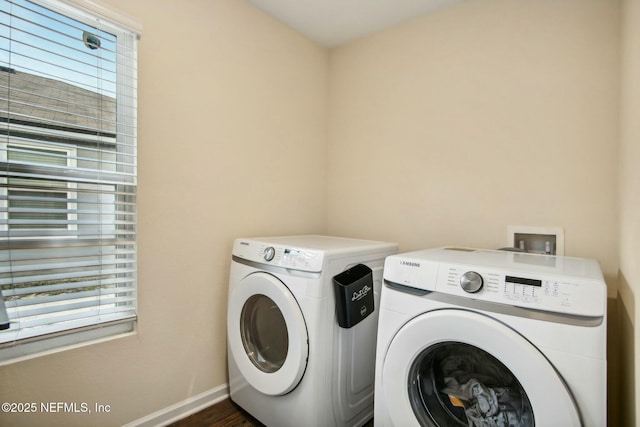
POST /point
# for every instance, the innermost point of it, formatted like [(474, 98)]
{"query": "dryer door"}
[(461, 368), (267, 334)]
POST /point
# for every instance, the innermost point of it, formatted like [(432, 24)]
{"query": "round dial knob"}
[(269, 253), (471, 282)]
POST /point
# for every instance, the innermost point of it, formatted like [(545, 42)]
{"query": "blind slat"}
[(13, 298), (18, 280), (71, 301), (87, 265), (88, 315), (46, 256)]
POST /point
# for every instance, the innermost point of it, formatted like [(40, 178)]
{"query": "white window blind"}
[(67, 175)]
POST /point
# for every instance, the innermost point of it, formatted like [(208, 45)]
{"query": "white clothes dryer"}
[(290, 363), (491, 338)]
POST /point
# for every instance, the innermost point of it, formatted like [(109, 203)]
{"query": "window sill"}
[(68, 341)]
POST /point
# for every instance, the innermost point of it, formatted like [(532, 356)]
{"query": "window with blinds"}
[(67, 176)]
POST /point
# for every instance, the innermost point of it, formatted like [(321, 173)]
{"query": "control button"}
[(471, 282), (269, 253)]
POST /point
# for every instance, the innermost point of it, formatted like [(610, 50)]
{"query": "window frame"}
[(127, 31)]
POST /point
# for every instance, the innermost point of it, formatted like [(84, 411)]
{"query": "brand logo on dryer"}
[(358, 295)]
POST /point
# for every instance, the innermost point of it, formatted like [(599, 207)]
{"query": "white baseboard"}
[(182, 409)]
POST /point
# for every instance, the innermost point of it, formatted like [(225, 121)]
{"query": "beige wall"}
[(491, 113), (444, 130), (630, 208), (231, 142)]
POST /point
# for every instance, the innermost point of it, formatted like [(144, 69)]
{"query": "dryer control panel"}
[(279, 255)]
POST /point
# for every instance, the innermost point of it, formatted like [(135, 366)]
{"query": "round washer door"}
[(267, 334), (455, 367)]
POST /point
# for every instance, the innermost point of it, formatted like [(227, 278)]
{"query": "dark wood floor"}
[(224, 414)]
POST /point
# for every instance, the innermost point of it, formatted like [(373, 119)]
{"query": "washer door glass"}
[(457, 384), (264, 333), (455, 367), (267, 334)]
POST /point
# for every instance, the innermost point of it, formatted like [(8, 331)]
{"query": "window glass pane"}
[(30, 208), (17, 153)]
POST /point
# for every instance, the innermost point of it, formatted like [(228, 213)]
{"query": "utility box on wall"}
[(539, 240)]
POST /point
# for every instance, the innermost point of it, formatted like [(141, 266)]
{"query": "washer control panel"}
[(522, 290), (565, 285)]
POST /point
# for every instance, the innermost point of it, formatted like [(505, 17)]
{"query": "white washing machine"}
[(491, 338), (290, 362)]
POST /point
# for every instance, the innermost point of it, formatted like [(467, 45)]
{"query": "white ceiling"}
[(331, 23)]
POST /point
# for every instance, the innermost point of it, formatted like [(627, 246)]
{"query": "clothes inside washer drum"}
[(490, 394), (489, 407)]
